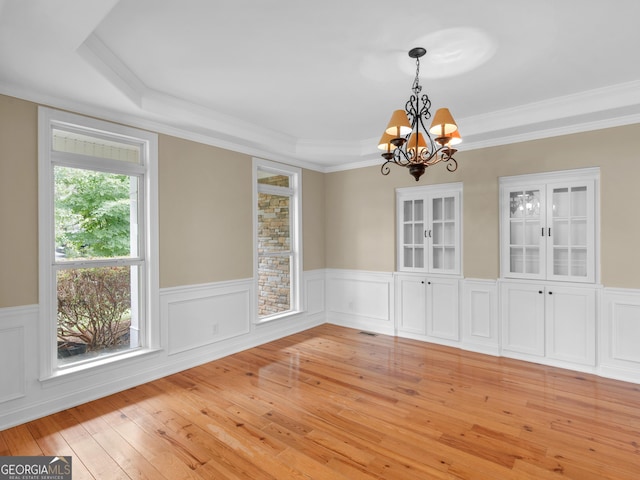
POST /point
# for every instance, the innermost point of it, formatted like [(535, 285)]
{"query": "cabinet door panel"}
[(571, 231), (442, 305), (444, 238), (570, 314), (523, 319), (412, 237), (411, 300), (523, 232)]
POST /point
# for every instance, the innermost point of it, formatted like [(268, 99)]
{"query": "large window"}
[(277, 240), (98, 279)]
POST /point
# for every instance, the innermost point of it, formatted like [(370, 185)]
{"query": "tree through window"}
[(95, 238)]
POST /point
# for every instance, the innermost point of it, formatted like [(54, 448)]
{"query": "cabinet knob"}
[(428, 283), (539, 291), (550, 293), (422, 282)]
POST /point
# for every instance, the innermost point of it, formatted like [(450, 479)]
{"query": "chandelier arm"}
[(425, 110), (401, 158), (411, 107), (452, 164), (425, 113), (432, 158)]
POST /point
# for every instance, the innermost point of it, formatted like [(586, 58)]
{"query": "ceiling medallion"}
[(403, 141)]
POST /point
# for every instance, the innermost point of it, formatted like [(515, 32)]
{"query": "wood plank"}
[(86, 448), (46, 432), (331, 403), (20, 441)]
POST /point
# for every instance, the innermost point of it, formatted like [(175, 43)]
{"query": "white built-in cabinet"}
[(428, 229), (557, 322), (428, 261), (547, 306), (428, 305), (549, 266), (548, 226)]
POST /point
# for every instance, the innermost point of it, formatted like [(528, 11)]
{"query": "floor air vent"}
[(371, 334)]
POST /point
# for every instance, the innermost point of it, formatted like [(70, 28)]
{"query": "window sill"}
[(277, 316), (91, 368)]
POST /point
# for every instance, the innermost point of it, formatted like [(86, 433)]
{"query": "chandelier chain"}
[(416, 82)]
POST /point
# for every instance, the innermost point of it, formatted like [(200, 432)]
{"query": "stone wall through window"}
[(274, 247)]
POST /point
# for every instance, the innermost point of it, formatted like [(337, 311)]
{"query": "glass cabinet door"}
[(571, 232), (428, 229), (525, 249), (548, 226), (443, 234), (413, 234)]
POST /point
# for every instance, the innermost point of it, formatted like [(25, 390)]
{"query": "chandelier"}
[(403, 142)]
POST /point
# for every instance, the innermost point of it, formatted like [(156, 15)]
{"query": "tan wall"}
[(205, 211), (348, 217), (206, 229), (313, 220), (206, 205), (361, 205), (18, 202)]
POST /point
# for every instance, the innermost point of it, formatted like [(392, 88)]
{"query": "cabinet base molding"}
[(549, 362)]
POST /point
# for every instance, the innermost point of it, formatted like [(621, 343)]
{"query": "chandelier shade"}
[(416, 146), (398, 125), (406, 141), (455, 139), (443, 123), (385, 144)]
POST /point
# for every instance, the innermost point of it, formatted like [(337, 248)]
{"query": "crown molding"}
[(588, 102), (601, 108)]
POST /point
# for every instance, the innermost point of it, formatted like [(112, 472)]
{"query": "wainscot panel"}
[(314, 292), (480, 326), (619, 339), (202, 315), (361, 299), (18, 352)]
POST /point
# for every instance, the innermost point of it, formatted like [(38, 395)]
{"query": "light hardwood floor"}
[(334, 403)]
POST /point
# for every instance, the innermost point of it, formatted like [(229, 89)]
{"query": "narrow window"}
[(277, 239), (97, 274)]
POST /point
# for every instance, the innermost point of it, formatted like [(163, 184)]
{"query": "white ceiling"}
[(314, 83)]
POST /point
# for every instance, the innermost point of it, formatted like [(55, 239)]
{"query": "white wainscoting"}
[(206, 314), (619, 335), (365, 300), (360, 299), (18, 351), (480, 322), (191, 316), (199, 323), (314, 293)]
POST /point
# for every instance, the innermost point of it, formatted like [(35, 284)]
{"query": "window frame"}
[(294, 191), (146, 258)]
